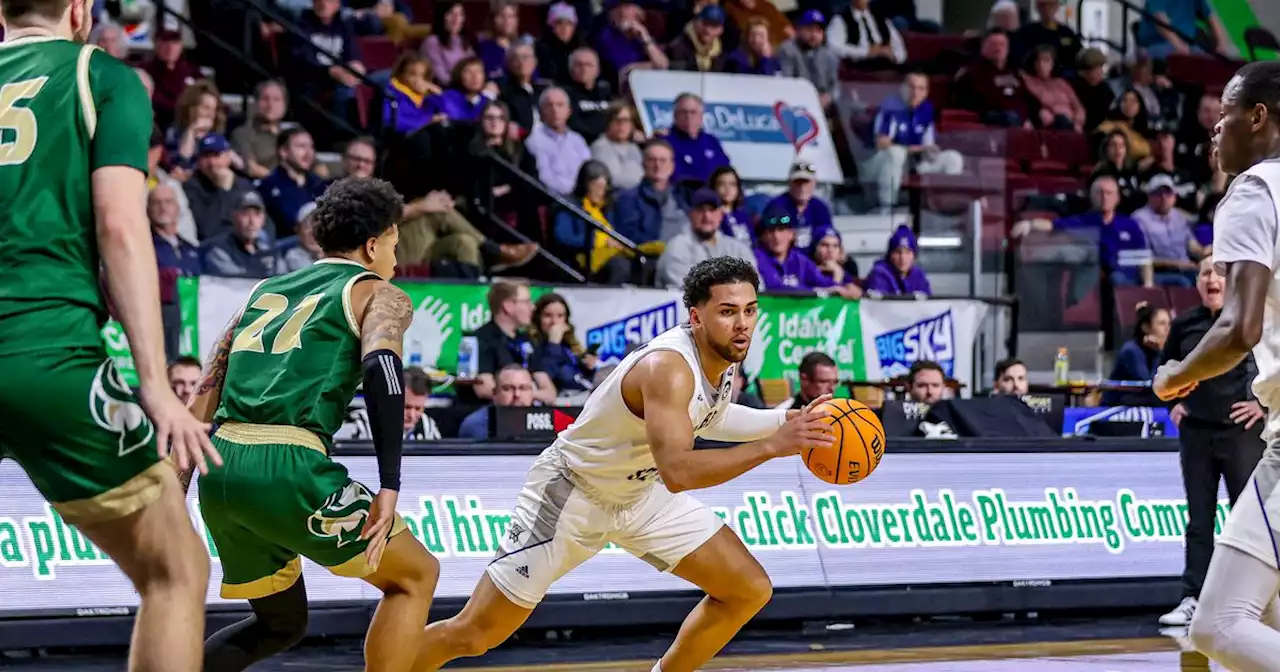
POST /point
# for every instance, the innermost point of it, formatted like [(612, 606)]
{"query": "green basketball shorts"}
[(74, 426), (278, 496)]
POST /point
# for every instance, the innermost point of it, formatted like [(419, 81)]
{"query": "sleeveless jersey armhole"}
[(348, 308), (84, 86)]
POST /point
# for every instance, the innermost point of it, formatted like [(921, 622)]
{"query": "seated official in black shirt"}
[(503, 341), (1220, 429), (818, 376)]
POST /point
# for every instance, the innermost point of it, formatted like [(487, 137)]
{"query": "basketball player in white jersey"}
[(1236, 619), (620, 472)]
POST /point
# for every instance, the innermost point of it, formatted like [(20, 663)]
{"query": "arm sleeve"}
[(896, 44), (838, 38), (740, 424), (1251, 210), (119, 113)]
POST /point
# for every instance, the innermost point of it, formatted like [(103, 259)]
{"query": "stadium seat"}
[(1066, 152), (1182, 298), (656, 22), (378, 53), (1204, 71), (1086, 315), (955, 114), (925, 48), (1127, 300)]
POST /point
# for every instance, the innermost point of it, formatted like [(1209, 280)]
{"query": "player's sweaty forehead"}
[(738, 295)]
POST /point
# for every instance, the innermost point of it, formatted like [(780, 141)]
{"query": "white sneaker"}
[(1181, 614)]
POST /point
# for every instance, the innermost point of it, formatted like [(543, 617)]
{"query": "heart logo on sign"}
[(798, 125)]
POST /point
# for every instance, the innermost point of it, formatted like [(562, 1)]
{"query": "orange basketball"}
[(858, 448)]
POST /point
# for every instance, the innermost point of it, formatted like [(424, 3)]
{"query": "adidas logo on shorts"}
[(523, 570)]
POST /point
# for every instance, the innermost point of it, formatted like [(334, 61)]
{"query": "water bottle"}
[(1061, 367), (467, 361)]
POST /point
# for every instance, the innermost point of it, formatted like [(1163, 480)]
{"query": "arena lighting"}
[(941, 242)]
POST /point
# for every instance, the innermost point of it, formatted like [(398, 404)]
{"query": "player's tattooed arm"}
[(207, 396), (386, 318), (205, 401)]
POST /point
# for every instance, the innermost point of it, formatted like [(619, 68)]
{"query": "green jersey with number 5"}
[(295, 351), (66, 110)]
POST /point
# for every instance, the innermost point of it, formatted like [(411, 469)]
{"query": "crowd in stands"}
[(231, 192)]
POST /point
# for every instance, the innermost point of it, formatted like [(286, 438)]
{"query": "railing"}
[(208, 37), (1127, 6), (486, 203), (275, 16)]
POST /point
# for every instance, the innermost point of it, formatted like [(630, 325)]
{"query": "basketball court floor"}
[(1130, 654)]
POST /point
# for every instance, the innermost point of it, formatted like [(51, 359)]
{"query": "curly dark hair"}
[(353, 210), (708, 273)]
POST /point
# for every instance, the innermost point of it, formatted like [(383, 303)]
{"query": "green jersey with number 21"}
[(295, 351), (66, 110)]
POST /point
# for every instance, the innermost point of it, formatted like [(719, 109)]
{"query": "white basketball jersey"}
[(607, 448), (1267, 352)]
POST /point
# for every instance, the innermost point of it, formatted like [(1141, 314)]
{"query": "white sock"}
[(657, 667)]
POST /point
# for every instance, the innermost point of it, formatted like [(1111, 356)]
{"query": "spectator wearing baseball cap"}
[(898, 273), (554, 47), (783, 267), (241, 252), (1091, 87), (808, 56), (810, 215), (1168, 233), (699, 48), (171, 73), (214, 190), (700, 241), (755, 56)]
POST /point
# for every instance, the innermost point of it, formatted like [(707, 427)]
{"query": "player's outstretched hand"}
[(1162, 384), (178, 433), (804, 429), (376, 527)]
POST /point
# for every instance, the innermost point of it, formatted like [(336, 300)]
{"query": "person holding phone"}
[(556, 348)]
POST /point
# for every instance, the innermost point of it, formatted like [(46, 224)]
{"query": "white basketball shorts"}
[(1254, 523), (556, 527)]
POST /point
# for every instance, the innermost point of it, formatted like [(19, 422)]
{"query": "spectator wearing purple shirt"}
[(737, 220), (1122, 247), (697, 152), (468, 94), (810, 216), (782, 266), (559, 151), (755, 56), (505, 34), (897, 272), (417, 102), (452, 42), (625, 43)]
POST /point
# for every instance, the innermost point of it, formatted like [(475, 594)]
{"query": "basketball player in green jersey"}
[(280, 381), (74, 130)]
